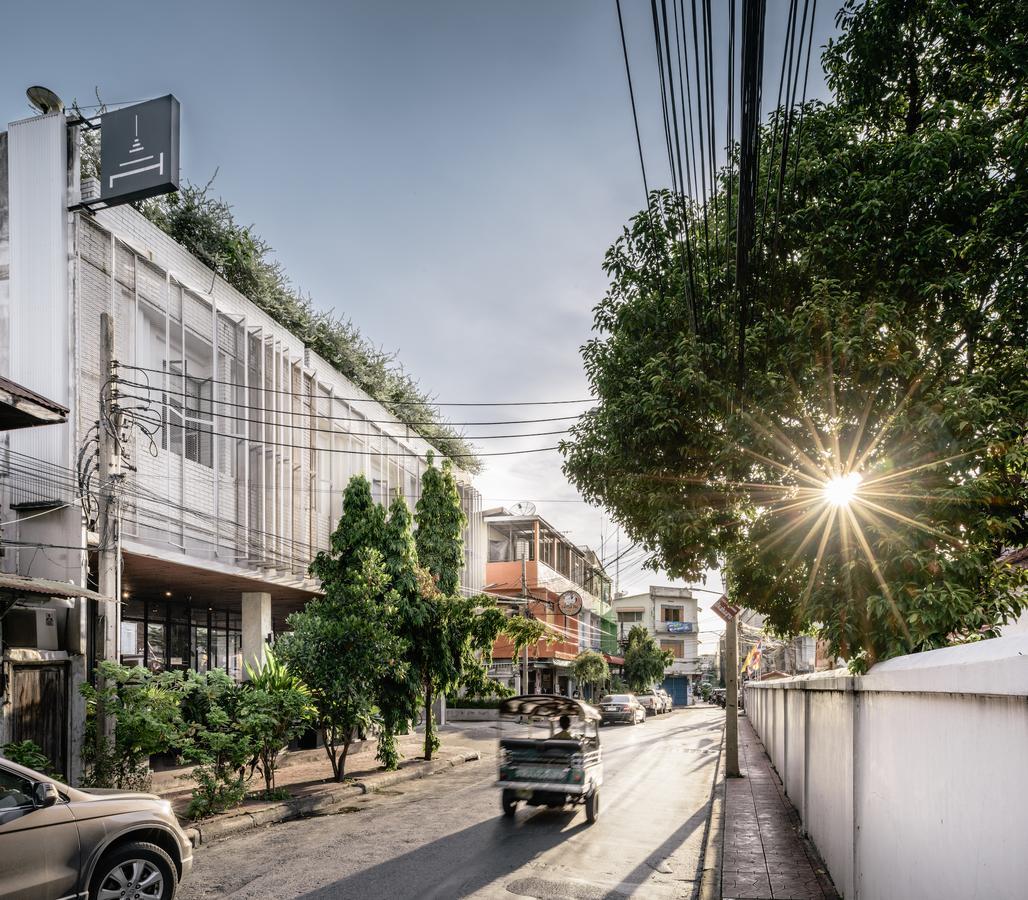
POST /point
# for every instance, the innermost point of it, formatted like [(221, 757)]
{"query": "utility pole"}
[(732, 697), (109, 553), (524, 596)]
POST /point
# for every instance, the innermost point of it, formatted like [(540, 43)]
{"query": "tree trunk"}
[(428, 721), (341, 754)]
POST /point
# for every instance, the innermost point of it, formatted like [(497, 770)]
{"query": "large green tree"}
[(590, 669), (342, 647), (645, 662), (884, 346)]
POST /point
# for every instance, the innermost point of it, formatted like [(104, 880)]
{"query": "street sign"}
[(139, 151), (569, 603), (724, 609)]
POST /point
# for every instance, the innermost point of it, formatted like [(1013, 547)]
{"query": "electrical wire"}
[(372, 399), (272, 411)]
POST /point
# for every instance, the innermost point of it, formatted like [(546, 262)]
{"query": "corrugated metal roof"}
[(19, 584), (22, 408)]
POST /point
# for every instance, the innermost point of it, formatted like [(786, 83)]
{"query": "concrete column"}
[(256, 627)]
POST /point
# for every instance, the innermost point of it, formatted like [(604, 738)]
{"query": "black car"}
[(622, 708)]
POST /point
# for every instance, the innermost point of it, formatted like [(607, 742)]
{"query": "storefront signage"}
[(569, 603), (139, 151), (679, 627), (724, 609)]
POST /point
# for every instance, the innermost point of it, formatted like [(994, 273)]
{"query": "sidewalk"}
[(307, 777), (764, 856)]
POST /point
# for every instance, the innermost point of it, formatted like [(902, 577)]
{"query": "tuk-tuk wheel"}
[(509, 804), (592, 806)]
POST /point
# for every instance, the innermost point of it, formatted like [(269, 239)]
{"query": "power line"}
[(272, 411), (222, 415), (426, 404)]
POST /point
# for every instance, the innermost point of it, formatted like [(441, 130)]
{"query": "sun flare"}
[(840, 490)]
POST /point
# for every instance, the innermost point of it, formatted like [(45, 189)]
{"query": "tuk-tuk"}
[(547, 768)]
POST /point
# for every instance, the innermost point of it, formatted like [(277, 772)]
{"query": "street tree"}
[(445, 628), (412, 598), (864, 467), (342, 647), (590, 668), (644, 660)]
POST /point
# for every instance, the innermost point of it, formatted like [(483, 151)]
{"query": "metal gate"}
[(678, 687), (39, 695)]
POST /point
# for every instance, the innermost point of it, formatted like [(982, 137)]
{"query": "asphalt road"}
[(444, 837)]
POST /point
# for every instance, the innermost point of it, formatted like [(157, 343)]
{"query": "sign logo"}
[(724, 609), (139, 151), (569, 603)]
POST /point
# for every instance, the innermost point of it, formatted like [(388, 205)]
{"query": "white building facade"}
[(670, 615), (239, 441)]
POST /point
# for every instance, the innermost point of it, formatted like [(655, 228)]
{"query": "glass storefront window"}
[(177, 636), (132, 643), (155, 642)]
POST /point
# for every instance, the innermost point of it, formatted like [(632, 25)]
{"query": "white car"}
[(669, 704), (651, 701)]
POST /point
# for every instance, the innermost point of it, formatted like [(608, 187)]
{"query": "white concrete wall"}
[(913, 779)]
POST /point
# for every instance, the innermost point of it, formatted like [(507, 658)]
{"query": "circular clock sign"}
[(569, 603)]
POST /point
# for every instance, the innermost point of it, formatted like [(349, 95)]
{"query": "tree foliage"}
[(886, 336), (590, 668), (644, 660), (342, 647)]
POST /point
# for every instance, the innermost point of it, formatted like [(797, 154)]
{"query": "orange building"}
[(529, 556)]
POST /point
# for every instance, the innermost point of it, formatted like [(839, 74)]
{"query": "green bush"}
[(30, 755), (275, 707), (145, 710), (212, 739)]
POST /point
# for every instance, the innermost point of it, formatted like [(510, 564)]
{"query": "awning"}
[(22, 408), (41, 588), (614, 660)]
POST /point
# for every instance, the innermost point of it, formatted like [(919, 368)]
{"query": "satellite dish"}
[(524, 508), (43, 99)]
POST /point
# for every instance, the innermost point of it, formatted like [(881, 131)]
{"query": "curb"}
[(322, 803), (710, 876)]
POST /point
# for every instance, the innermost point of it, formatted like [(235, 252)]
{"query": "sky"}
[(447, 175)]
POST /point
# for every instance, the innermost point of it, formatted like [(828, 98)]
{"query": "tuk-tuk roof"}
[(548, 706)]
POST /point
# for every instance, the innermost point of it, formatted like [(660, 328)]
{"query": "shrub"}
[(145, 710), (30, 755), (212, 739), (275, 707)]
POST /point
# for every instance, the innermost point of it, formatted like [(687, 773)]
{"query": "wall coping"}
[(998, 666)]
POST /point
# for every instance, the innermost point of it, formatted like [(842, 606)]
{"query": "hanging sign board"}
[(679, 627), (139, 151), (724, 609), (569, 603)]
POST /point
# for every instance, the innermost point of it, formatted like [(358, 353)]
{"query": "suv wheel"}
[(136, 871)]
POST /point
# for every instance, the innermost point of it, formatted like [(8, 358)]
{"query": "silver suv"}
[(58, 841)]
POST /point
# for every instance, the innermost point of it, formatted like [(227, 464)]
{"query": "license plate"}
[(540, 773)]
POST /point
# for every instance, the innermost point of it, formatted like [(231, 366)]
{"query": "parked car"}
[(669, 704), (624, 708), (59, 841), (652, 702)]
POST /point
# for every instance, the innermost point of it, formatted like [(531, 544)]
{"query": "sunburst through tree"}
[(866, 465)]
